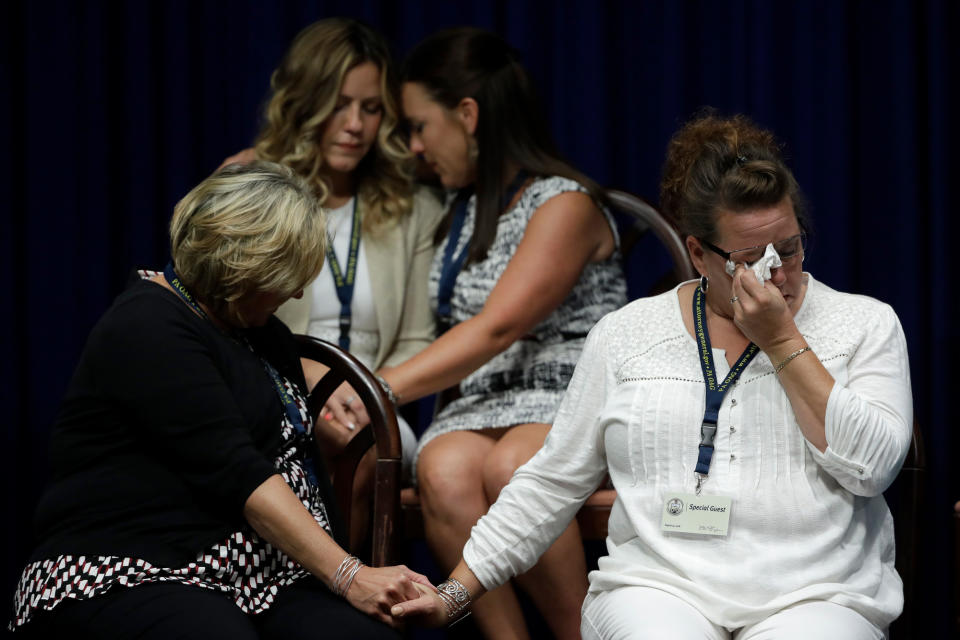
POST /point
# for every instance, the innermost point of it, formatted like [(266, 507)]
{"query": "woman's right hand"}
[(331, 434), (345, 407), (246, 156), (375, 591)]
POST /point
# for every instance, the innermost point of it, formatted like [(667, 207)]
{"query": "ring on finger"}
[(349, 400), (734, 299)]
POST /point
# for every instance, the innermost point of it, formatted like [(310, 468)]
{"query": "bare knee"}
[(449, 478), (500, 466)]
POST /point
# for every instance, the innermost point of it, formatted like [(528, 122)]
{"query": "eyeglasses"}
[(789, 250)]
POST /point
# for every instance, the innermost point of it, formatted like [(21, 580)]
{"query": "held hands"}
[(375, 590), (761, 312)]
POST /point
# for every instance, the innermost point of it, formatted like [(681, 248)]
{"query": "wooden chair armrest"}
[(382, 433)]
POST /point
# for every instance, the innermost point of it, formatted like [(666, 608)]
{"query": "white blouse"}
[(804, 525), (325, 310)]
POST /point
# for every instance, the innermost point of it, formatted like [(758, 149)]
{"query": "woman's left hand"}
[(761, 312)]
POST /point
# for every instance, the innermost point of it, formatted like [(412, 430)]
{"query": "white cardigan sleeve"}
[(545, 494), (869, 419)]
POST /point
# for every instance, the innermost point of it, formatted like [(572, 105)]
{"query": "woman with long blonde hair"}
[(333, 118)]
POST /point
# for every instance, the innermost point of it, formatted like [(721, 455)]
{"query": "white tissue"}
[(761, 268)]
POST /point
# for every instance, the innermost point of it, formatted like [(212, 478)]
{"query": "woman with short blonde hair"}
[(186, 499), (247, 230)]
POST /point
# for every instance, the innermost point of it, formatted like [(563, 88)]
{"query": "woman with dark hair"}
[(526, 264), (749, 423), (184, 498)]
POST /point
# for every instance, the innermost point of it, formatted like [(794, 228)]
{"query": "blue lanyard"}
[(293, 413), (289, 405), (181, 289), (714, 391), (450, 268), (344, 283), (453, 262)]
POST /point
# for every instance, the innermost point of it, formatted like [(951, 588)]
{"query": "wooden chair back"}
[(382, 432), (647, 219), (908, 522)]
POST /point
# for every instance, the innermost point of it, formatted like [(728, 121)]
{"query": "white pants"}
[(642, 613)]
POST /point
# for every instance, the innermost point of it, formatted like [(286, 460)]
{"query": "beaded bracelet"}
[(388, 390), (790, 357)]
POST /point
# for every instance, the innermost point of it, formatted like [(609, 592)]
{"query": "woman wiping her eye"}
[(749, 428)]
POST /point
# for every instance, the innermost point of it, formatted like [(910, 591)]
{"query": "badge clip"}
[(708, 432)]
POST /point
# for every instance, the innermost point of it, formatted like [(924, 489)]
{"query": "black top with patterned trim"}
[(167, 427)]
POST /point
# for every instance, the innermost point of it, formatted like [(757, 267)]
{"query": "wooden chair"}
[(382, 432), (647, 219), (908, 523)]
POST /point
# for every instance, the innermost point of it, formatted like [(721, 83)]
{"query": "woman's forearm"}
[(531, 287), (465, 576), (807, 384), (451, 358), (278, 516), (762, 314)]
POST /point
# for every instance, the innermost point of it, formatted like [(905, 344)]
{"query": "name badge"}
[(701, 515)]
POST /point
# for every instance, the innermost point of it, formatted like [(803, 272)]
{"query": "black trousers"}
[(171, 611)]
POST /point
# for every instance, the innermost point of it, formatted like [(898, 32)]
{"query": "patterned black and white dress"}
[(244, 567), (526, 382)]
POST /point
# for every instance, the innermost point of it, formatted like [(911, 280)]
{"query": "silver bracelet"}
[(786, 361), (345, 574), (388, 390), (455, 597)]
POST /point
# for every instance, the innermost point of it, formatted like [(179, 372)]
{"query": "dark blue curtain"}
[(111, 111)]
